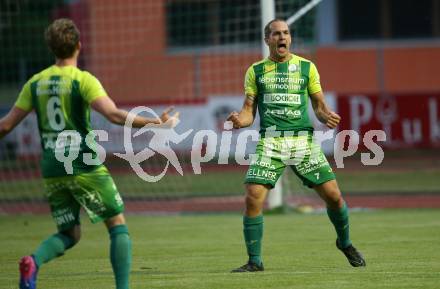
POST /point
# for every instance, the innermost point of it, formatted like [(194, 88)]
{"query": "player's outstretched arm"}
[(246, 116), (106, 106), (322, 112), (11, 120)]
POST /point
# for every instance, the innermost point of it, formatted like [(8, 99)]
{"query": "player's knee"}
[(115, 221), (331, 194), (253, 197), (251, 202), (335, 201), (253, 209), (74, 234), (254, 204)]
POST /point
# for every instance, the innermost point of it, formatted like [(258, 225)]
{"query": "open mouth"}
[(282, 47)]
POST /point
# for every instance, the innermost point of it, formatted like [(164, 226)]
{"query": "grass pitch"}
[(402, 248), (230, 183)]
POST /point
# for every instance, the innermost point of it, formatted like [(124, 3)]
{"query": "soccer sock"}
[(339, 218), (120, 255), (52, 247), (253, 234)]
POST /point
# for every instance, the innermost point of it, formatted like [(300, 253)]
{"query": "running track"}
[(235, 204)]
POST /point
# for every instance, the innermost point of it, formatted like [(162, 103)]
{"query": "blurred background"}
[(378, 61)]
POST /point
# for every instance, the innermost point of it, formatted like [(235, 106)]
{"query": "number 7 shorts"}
[(304, 157)]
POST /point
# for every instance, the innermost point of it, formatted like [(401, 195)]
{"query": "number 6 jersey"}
[(61, 97)]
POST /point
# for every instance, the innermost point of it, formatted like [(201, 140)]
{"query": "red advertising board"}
[(409, 121)]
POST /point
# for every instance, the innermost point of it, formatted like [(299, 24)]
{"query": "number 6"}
[(55, 114)]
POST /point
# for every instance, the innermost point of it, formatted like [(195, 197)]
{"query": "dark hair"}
[(267, 29), (62, 37)]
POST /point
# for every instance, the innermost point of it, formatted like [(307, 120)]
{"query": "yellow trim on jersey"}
[(90, 87), (250, 86), (314, 81), (24, 100)]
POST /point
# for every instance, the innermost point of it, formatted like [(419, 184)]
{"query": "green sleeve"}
[(250, 86), (91, 88), (24, 100), (314, 82)]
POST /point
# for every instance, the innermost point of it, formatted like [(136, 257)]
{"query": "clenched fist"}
[(233, 116), (333, 119)]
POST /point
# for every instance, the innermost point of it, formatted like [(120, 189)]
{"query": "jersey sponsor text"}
[(282, 98)]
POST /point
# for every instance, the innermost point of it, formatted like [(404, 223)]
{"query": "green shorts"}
[(95, 192), (303, 156)]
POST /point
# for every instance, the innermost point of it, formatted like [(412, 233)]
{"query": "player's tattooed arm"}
[(250, 97), (322, 111), (246, 116)]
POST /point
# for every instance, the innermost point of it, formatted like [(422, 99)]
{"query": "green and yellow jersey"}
[(61, 97), (282, 92)]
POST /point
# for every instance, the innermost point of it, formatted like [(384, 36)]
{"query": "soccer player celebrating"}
[(280, 86), (61, 96)]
